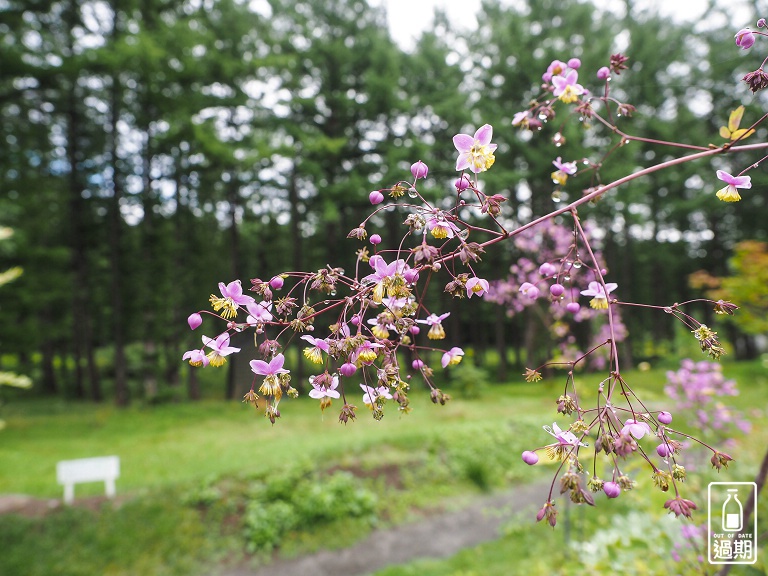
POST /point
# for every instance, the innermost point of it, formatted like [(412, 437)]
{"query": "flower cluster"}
[(369, 331)]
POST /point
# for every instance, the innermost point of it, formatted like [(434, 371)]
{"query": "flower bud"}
[(664, 417), (574, 63), (603, 73), (419, 170), (462, 183), (744, 38), (417, 364), (411, 276), (375, 239), (573, 307), (355, 320), (414, 330), (530, 458), (611, 489), (663, 450), (194, 320), (376, 197), (347, 369), (556, 290), (761, 23), (547, 269), (276, 283)]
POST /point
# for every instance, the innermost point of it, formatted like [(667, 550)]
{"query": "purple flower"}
[(274, 367), (419, 170), (366, 353), (452, 357), (436, 331), (475, 152), (314, 352), (219, 349), (383, 275), (729, 192), (745, 38), (196, 358), (372, 394), (636, 429), (440, 227), (566, 87), (477, 286), (529, 290), (569, 168), (599, 294), (231, 297), (320, 391), (547, 269), (564, 437), (259, 312), (555, 68)]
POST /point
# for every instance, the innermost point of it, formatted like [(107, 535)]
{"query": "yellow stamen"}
[(599, 303), (227, 304), (215, 359), (436, 332), (439, 231), (313, 354), (729, 194)]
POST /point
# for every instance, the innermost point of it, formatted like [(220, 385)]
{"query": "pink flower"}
[(664, 417), (745, 38), (196, 358), (574, 63), (475, 152), (566, 88), (419, 170), (452, 357), (366, 353), (477, 286), (219, 349), (274, 367), (462, 183), (636, 429), (372, 394), (547, 269), (521, 119), (383, 274), (569, 168), (436, 331), (599, 295), (604, 73), (231, 297), (729, 193), (440, 227), (573, 307), (314, 352), (529, 290), (194, 320), (319, 391), (259, 312), (555, 68), (564, 437)]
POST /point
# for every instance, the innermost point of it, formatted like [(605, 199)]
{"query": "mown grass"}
[(444, 455)]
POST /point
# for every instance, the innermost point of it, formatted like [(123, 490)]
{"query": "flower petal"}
[(259, 367), (463, 142), (484, 134)]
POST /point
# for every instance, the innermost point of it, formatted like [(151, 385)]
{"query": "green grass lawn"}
[(176, 453)]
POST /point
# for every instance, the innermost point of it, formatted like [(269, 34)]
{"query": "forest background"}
[(151, 149)]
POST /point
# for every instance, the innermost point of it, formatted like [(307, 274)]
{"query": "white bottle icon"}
[(732, 512)]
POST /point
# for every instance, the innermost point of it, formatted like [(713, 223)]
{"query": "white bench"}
[(104, 469)]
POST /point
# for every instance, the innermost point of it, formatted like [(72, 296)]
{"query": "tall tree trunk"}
[(115, 249), (81, 322), (149, 245)]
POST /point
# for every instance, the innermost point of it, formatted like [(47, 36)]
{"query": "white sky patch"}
[(409, 18)]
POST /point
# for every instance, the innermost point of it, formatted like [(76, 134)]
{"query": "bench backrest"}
[(88, 470)]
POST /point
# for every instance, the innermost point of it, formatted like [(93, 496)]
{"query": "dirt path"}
[(435, 537)]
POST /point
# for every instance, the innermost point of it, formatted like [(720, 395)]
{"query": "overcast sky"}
[(407, 18)]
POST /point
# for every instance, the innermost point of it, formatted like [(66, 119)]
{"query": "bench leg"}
[(110, 487), (69, 493)]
